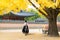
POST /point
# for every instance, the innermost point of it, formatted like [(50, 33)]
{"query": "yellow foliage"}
[(47, 3), (16, 5), (9, 5), (57, 3)]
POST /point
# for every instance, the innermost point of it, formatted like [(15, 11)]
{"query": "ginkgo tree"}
[(12, 5), (50, 9)]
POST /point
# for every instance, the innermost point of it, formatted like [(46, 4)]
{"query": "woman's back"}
[(25, 28)]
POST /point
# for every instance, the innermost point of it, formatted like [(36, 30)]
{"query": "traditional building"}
[(17, 16)]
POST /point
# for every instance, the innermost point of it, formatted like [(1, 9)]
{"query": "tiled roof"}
[(24, 14)]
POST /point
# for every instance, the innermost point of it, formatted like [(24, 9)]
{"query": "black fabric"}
[(25, 29)]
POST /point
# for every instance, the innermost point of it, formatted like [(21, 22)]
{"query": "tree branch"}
[(38, 9), (57, 11), (48, 11)]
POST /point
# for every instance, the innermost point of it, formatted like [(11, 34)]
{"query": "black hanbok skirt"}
[(25, 29)]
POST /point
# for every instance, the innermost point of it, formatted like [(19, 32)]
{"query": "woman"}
[(25, 29)]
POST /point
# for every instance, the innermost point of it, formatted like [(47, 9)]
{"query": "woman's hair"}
[(25, 20)]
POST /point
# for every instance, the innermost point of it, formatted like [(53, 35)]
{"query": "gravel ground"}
[(17, 35), (21, 36)]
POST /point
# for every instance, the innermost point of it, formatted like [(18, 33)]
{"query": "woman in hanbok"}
[(25, 29)]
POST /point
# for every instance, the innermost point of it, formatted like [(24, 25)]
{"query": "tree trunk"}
[(53, 30)]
